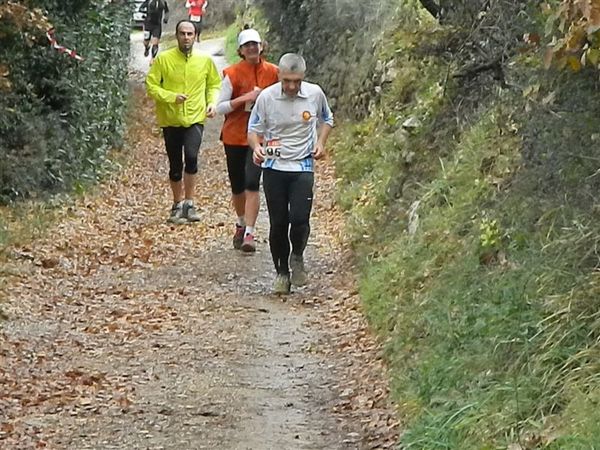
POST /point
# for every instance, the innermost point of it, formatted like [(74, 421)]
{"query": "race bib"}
[(273, 149)]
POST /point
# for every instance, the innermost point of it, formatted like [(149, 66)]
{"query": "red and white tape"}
[(60, 48)]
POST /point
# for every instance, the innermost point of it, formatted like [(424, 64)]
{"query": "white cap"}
[(249, 35)]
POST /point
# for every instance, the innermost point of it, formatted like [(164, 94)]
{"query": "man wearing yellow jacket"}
[(185, 86)]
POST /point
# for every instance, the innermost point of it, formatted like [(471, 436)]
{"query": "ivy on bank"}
[(60, 117)]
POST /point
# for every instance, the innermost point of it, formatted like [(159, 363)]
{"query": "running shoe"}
[(299, 274), (238, 237), (281, 285), (189, 212), (249, 244), (176, 213)]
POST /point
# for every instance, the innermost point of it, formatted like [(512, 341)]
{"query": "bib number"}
[(273, 149)]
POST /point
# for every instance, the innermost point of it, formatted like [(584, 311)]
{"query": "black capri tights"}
[(186, 141), (289, 201), (244, 175)]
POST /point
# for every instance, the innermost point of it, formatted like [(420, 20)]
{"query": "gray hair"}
[(292, 62)]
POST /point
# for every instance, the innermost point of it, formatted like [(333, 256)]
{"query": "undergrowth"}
[(478, 246)]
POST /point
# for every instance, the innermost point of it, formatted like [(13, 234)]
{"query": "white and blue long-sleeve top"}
[(289, 125)]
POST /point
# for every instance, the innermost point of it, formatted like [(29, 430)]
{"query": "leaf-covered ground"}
[(125, 332)]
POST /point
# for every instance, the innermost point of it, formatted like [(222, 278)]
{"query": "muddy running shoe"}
[(238, 237), (189, 212), (176, 213), (299, 275), (249, 244), (281, 286), (146, 51)]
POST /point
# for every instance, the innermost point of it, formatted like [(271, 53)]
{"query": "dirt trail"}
[(128, 333)]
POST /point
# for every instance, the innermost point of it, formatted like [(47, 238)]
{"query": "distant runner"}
[(196, 10), (157, 13), (242, 82), (294, 119)]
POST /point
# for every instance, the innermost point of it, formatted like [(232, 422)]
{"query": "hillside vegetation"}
[(469, 176)]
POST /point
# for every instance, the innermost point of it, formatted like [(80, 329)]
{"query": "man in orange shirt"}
[(242, 82)]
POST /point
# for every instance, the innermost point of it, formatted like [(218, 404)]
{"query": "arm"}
[(323, 133), (166, 17), (258, 152), (226, 104), (213, 86), (240, 102), (256, 130), (154, 85), (326, 119)]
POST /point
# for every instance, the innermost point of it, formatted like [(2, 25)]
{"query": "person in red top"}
[(241, 84), (196, 10)]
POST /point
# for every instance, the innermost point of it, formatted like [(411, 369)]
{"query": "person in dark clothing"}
[(157, 13)]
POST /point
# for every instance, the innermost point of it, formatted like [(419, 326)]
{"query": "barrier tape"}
[(60, 48)]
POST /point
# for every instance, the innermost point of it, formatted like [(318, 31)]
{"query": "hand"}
[(319, 151), (258, 155), (252, 95), (210, 111), (180, 98)]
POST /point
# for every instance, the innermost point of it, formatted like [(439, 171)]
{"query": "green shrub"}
[(60, 116)]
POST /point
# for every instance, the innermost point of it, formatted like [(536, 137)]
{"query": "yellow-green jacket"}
[(175, 73)]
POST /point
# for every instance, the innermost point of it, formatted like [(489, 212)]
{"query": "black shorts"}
[(197, 25), (244, 175), (152, 30)]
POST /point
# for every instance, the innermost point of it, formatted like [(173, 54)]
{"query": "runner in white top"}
[(294, 119)]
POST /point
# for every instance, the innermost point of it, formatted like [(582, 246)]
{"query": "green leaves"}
[(59, 117)]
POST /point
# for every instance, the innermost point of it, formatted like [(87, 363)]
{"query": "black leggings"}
[(289, 201), (244, 175), (180, 140)]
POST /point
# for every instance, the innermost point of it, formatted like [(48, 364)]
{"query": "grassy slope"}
[(489, 310)]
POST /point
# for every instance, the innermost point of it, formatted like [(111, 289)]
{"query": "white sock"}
[(188, 202), (240, 221), (249, 230)]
